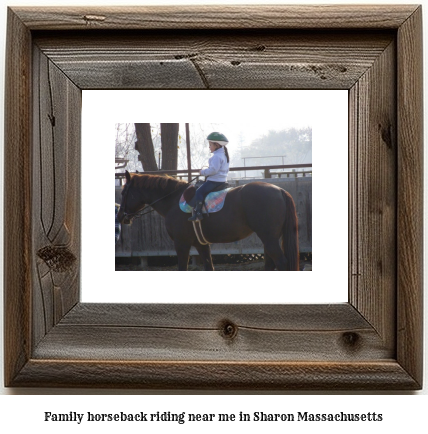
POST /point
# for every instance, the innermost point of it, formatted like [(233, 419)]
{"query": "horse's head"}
[(131, 202)]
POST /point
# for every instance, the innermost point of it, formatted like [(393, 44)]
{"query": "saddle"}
[(213, 201)]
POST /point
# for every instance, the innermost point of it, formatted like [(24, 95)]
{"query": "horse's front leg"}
[(183, 251), (205, 255)]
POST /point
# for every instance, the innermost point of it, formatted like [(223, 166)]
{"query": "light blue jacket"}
[(218, 167)]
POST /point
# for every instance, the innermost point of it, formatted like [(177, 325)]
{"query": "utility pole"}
[(189, 161)]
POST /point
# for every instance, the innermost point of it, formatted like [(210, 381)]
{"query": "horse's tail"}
[(290, 234)]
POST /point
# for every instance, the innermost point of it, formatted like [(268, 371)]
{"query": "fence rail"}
[(267, 170), (231, 169)]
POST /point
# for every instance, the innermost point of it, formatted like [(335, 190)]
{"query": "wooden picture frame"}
[(372, 342)]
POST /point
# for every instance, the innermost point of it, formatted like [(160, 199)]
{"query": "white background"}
[(325, 111), (26, 412)]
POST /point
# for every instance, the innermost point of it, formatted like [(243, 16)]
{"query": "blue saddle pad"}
[(213, 202)]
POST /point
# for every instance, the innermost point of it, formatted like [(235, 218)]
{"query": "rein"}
[(139, 214)]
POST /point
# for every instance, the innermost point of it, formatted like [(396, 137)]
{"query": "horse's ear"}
[(127, 176)]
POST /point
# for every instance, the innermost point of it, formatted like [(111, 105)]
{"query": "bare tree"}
[(144, 145), (166, 142), (169, 137), (125, 145), (125, 138)]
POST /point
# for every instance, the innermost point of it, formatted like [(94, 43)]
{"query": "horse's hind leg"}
[(269, 263), (205, 255), (275, 255)]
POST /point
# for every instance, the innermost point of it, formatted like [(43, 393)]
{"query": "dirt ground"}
[(254, 265)]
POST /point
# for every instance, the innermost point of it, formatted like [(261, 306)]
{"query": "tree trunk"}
[(144, 145), (169, 138)]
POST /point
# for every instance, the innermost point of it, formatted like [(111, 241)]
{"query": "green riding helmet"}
[(218, 137)]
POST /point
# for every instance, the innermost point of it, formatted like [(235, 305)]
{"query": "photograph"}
[(249, 187)]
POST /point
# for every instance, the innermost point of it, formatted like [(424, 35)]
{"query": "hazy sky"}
[(253, 112), (242, 115), (249, 131)]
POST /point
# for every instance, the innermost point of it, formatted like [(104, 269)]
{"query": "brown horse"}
[(258, 207)]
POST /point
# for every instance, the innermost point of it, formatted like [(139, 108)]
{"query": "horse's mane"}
[(157, 182)]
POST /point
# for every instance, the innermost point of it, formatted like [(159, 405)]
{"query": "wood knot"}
[(228, 329), (94, 18), (57, 258), (185, 56), (351, 340), (257, 48), (386, 134)]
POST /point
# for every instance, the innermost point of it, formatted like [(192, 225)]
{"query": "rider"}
[(216, 172)]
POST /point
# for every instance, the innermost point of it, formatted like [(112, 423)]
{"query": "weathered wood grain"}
[(17, 198), (410, 196), (372, 342), (373, 176), (297, 317), (376, 375), (176, 344), (216, 17), (56, 194), (199, 332), (216, 60)]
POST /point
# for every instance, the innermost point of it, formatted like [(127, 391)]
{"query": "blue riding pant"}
[(205, 188)]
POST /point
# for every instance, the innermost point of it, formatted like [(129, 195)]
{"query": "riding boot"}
[(196, 213)]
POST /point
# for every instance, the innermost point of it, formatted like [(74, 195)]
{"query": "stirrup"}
[(196, 216), (196, 213)]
